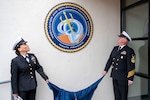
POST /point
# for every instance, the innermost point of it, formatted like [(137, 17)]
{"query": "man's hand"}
[(104, 73), (15, 95), (130, 82)]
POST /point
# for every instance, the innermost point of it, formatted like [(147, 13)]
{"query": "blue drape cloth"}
[(85, 94)]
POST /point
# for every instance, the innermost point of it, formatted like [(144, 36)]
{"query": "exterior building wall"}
[(70, 71)]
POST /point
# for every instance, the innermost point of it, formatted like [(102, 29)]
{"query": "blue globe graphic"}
[(74, 27)]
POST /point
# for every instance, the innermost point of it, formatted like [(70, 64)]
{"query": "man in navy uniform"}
[(122, 60), (23, 67)]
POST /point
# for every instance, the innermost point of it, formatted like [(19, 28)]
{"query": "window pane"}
[(140, 87), (141, 50), (136, 21), (129, 2)]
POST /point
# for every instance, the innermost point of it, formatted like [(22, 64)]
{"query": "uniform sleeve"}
[(40, 69), (14, 77), (131, 64), (109, 61)]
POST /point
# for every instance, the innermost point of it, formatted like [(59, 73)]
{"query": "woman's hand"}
[(47, 81)]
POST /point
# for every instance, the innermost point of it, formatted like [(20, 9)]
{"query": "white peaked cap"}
[(125, 34), (18, 42)]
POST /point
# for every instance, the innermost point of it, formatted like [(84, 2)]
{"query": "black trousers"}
[(120, 89), (28, 95)]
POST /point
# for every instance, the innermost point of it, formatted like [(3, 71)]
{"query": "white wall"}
[(71, 71)]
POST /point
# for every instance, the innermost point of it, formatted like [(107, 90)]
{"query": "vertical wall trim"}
[(121, 15), (149, 48)]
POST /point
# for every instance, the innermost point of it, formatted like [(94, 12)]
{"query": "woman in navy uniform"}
[(122, 60), (23, 67)]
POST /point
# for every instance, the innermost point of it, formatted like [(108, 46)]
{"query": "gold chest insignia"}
[(133, 59), (33, 59)]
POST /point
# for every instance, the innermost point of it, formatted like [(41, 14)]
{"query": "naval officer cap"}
[(125, 35), (19, 41)]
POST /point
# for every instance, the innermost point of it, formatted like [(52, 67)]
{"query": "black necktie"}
[(27, 58), (119, 48)]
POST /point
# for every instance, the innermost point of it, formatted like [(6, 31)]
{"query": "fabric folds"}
[(85, 94)]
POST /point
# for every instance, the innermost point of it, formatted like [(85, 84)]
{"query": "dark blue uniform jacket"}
[(23, 76), (122, 62)]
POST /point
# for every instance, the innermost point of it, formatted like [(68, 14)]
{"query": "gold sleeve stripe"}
[(131, 73)]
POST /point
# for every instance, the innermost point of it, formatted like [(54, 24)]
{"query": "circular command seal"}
[(68, 27)]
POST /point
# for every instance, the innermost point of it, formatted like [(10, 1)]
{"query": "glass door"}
[(135, 20)]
